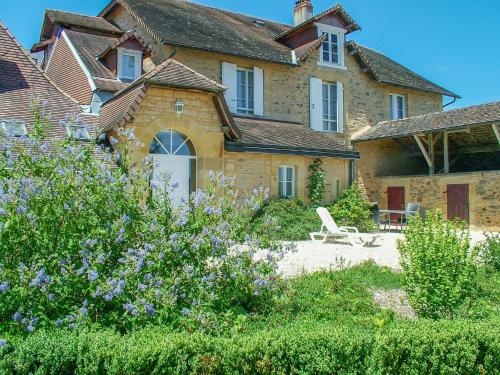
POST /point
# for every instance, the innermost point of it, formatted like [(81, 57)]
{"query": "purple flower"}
[(59, 323), (4, 287), (150, 310), (113, 141), (20, 210), (185, 311), (93, 275), (108, 297), (41, 279), (51, 296), (18, 317), (84, 311), (2, 212), (3, 343)]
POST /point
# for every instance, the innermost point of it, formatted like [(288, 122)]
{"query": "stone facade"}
[(430, 192), (383, 161), (286, 88), (201, 123)]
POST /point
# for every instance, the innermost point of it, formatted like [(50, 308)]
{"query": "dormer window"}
[(14, 127), (79, 132), (129, 64), (332, 49)]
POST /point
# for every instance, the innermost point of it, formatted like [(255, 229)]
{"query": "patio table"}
[(396, 212)]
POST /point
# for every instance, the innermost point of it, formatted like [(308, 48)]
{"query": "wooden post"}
[(431, 154), (423, 150), (446, 155), (496, 130)]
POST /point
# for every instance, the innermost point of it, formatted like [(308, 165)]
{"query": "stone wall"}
[(286, 88), (202, 124), (430, 192)]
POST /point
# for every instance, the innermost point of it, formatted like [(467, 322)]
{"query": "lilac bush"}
[(84, 241)]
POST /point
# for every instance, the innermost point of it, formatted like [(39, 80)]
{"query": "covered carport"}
[(447, 160)]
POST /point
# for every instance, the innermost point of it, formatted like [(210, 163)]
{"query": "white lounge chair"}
[(330, 229)]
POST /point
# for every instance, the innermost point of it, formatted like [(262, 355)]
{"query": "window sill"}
[(330, 65)]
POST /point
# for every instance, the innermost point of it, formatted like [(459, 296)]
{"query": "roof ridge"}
[(76, 13), (32, 62)]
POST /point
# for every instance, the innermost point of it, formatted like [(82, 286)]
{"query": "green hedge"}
[(406, 348)]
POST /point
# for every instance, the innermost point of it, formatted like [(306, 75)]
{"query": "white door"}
[(172, 172)]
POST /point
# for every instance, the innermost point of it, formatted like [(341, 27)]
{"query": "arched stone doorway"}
[(175, 164)]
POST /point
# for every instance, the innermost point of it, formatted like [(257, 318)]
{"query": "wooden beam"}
[(424, 151), (430, 143), (446, 154), (497, 131)]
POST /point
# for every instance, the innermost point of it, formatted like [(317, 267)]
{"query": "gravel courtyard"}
[(311, 257)]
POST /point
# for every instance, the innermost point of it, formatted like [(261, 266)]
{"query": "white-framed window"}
[(332, 49), (245, 91), (326, 105), (286, 181), (397, 106), (80, 132), (129, 64), (330, 107), (14, 128)]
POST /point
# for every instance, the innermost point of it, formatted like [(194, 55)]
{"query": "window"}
[(13, 127), (332, 49), (245, 91), (286, 181), (129, 64), (329, 107), (397, 108), (80, 132)]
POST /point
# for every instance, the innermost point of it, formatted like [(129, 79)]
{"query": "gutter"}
[(288, 150)]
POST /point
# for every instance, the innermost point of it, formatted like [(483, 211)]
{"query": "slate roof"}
[(484, 114), (73, 19), (261, 135), (89, 47), (387, 70), (186, 24), (21, 80), (121, 108)]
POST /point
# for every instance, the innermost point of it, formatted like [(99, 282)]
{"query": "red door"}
[(458, 201), (395, 201)]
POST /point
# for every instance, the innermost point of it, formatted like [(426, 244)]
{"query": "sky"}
[(454, 43)]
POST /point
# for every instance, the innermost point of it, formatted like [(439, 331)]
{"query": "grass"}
[(341, 298), (345, 298)]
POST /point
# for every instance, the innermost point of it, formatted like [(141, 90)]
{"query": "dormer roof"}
[(53, 17), (337, 10)]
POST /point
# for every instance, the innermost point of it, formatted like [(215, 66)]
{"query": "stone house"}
[(207, 89)]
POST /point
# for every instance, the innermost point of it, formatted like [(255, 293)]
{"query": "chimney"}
[(302, 12)]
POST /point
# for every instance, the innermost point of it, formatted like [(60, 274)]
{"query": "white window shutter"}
[(229, 79), (258, 85), (392, 106), (316, 103), (340, 107), (138, 65)]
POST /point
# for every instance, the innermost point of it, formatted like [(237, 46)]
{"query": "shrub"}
[(439, 266), (79, 244), (489, 250), (456, 347), (317, 181), (351, 209), (294, 218)]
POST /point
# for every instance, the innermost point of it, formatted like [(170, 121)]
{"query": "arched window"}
[(171, 142), (175, 158)]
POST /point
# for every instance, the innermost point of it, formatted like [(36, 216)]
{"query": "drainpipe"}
[(450, 103)]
